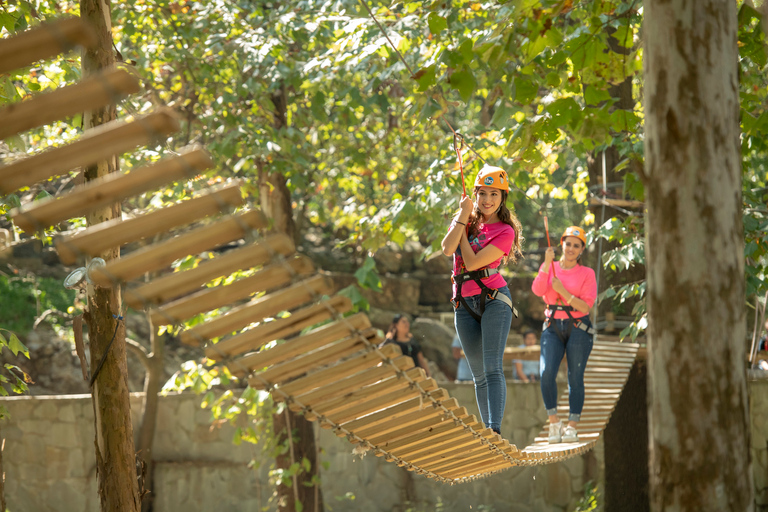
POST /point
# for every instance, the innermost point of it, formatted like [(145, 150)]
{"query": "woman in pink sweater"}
[(570, 290)]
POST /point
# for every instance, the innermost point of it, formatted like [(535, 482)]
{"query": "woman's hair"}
[(507, 217), (392, 331)]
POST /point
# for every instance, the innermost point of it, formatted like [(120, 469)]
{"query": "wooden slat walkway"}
[(335, 373)]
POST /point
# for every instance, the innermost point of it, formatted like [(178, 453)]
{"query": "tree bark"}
[(699, 430), (115, 454), (305, 488), (153, 382)]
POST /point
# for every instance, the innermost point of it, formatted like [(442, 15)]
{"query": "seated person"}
[(399, 333), (463, 374), (528, 371)]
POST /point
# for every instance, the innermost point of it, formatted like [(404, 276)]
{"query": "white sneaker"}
[(555, 432), (570, 435)]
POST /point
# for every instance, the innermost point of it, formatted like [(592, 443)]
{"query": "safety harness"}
[(574, 322), (485, 292)]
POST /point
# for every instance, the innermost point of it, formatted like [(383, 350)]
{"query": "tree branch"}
[(140, 352)]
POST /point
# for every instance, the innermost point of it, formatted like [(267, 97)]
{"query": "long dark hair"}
[(392, 331), (507, 217)]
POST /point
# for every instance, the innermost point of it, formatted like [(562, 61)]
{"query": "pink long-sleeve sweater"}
[(579, 280)]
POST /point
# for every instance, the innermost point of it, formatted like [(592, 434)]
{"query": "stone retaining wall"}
[(49, 462)]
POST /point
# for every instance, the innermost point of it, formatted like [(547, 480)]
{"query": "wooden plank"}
[(175, 285), (343, 386), (344, 369), (478, 469), (259, 309), (298, 366), (158, 256), (420, 438), (306, 343), (45, 41), (103, 88), (381, 402), (421, 421), (624, 203), (110, 189), (209, 299), (457, 468), (453, 439), (436, 457), (359, 391), (407, 423), (106, 235), (279, 328), (100, 143), (362, 424)]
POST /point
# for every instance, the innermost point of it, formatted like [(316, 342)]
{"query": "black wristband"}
[(457, 222)]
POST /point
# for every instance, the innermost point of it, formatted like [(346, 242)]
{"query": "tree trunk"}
[(305, 488), (115, 454), (153, 382), (699, 430)]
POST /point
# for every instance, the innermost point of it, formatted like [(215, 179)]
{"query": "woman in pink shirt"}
[(570, 290), (484, 235)]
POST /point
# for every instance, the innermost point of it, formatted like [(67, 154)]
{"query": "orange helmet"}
[(577, 232), (490, 176)]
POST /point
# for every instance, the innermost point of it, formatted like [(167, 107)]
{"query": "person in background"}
[(528, 370), (463, 373), (399, 333), (569, 289)]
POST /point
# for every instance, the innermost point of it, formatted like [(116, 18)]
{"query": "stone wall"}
[(49, 463), (49, 466)]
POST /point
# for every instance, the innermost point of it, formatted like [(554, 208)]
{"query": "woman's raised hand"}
[(467, 205), (549, 255)]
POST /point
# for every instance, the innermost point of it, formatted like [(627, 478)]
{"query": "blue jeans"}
[(576, 350), (483, 344)]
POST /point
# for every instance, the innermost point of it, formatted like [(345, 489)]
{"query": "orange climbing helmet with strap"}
[(491, 176), (577, 232)]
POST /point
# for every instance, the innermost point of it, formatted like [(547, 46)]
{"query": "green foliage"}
[(12, 376), (24, 297), (590, 501)]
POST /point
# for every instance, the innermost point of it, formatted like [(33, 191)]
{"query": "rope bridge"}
[(335, 374)]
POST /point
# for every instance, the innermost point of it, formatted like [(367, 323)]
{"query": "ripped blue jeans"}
[(577, 352)]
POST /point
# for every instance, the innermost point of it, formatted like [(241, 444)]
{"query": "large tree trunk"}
[(699, 434), (305, 488), (115, 455)]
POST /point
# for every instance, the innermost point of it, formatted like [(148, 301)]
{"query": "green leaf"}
[(466, 50), (553, 79), (436, 23), (425, 77), (595, 96), (464, 81), (525, 90), (17, 346)]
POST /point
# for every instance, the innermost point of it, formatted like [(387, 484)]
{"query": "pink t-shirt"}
[(498, 234), (579, 280)]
